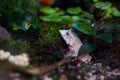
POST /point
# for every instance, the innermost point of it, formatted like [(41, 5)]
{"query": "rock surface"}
[(4, 35)]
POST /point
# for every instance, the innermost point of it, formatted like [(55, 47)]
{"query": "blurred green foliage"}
[(107, 10), (71, 15), (18, 13)]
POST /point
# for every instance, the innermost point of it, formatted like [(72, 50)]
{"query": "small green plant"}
[(71, 15), (80, 15), (56, 15), (97, 35), (107, 10), (74, 11)]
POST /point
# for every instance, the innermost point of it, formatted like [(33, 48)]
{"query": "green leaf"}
[(103, 5), (48, 10), (61, 12), (76, 10), (68, 18), (52, 18), (51, 11), (106, 37), (86, 48), (75, 18), (87, 15), (115, 12), (84, 28)]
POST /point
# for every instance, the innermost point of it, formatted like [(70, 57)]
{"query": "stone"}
[(4, 35)]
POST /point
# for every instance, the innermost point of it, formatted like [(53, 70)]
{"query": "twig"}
[(43, 69)]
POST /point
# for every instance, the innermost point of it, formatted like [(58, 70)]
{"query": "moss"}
[(49, 32), (15, 47)]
